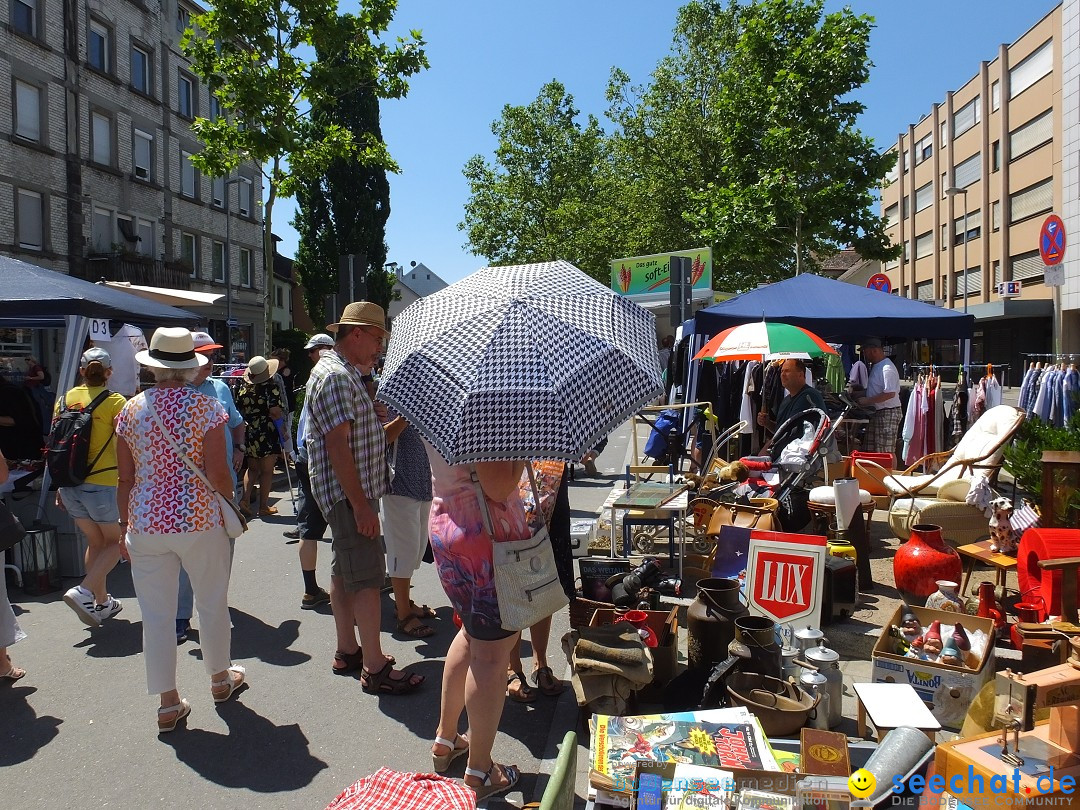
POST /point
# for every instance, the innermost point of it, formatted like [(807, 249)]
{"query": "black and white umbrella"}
[(528, 361)]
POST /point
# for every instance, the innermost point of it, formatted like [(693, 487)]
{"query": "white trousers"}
[(155, 571), (405, 534)]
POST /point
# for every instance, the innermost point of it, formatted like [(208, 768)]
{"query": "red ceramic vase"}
[(924, 559)]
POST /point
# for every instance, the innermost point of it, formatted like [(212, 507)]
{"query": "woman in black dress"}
[(260, 402)]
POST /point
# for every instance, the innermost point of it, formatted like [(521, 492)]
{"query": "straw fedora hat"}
[(259, 370), (171, 347), (361, 313)]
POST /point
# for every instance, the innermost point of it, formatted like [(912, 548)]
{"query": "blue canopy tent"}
[(36, 297), (836, 311)]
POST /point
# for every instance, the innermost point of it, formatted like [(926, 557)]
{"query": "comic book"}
[(718, 738)]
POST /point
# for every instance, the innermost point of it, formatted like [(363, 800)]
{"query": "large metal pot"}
[(781, 707)]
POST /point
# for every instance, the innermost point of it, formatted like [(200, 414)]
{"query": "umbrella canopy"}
[(764, 341), (529, 361)]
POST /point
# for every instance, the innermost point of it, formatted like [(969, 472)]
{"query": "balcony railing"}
[(133, 269)]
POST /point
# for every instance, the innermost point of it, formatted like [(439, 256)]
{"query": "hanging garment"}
[(993, 392), (1071, 393), (1041, 408)]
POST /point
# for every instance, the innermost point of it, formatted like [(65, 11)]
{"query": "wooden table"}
[(980, 552), (891, 705)]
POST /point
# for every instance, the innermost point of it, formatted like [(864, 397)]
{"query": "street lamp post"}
[(952, 192), (228, 265)]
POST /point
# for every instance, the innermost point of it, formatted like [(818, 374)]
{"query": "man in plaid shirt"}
[(346, 444)]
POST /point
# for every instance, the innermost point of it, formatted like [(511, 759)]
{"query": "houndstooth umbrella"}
[(528, 361)]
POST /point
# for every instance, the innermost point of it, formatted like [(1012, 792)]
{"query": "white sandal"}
[(230, 683), (486, 789), (441, 762), (182, 709)]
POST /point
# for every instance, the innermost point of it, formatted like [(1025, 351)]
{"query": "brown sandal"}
[(413, 627), (523, 693), (383, 682), (353, 662), (547, 683)]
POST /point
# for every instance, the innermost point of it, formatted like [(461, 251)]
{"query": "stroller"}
[(791, 460)]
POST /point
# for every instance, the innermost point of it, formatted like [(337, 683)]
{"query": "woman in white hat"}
[(171, 517), (262, 404)]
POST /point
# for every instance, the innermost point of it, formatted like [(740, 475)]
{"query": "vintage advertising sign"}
[(648, 275), (786, 576)]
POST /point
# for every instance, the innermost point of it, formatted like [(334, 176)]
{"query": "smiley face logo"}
[(861, 783)]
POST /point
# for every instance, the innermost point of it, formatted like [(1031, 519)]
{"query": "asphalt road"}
[(79, 730)]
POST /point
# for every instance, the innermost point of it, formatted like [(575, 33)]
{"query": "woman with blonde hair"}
[(92, 504), (172, 517)]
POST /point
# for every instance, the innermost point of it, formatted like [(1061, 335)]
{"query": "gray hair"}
[(181, 375)]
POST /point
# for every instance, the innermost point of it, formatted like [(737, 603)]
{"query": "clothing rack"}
[(1003, 367)]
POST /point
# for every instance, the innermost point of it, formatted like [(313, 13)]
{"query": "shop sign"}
[(786, 574), (99, 330), (1008, 289), (648, 275)]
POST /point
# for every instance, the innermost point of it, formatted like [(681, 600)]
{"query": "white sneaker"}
[(108, 610), (82, 602)]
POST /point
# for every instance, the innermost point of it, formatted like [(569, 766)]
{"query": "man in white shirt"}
[(882, 394)]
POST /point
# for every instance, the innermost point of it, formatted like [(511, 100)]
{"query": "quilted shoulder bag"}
[(234, 522), (759, 514), (526, 580), (11, 530)]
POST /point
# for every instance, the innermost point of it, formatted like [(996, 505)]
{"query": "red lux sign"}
[(786, 573)]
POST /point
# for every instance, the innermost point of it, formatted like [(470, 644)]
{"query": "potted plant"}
[(1023, 458)]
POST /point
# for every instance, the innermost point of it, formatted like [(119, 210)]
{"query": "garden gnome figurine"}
[(960, 636), (908, 623), (949, 653), (932, 639)]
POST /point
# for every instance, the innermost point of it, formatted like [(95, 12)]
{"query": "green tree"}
[(746, 139), (538, 199), (252, 56), (344, 211)]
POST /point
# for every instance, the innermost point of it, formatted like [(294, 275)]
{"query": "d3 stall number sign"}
[(99, 330), (786, 576)]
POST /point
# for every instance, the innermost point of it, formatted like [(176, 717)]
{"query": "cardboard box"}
[(947, 689), (665, 623)]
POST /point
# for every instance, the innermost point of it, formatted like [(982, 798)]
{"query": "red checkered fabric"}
[(391, 790)]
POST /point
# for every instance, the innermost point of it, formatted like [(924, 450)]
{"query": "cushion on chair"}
[(960, 524), (826, 496)]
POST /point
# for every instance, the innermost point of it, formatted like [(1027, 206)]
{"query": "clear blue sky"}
[(485, 54)]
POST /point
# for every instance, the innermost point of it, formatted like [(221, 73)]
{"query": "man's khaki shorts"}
[(357, 559)]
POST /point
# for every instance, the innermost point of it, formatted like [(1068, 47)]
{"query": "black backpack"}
[(67, 449)]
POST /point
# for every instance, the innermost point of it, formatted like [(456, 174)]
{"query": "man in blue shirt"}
[(234, 451)]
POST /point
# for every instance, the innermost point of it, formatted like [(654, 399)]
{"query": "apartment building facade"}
[(96, 106), (974, 181)]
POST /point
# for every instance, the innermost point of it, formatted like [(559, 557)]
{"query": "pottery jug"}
[(924, 559), (945, 597), (710, 621), (755, 643)]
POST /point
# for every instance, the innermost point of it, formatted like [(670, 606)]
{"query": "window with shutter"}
[(1039, 63), (924, 197), (966, 117), (967, 172), (30, 217), (924, 245), (1033, 200), (1027, 266), (1033, 134)]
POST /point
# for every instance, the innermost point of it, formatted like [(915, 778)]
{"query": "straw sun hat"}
[(171, 347), (361, 313), (259, 370)]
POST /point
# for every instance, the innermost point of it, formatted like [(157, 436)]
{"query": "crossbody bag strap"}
[(483, 499), (176, 447)]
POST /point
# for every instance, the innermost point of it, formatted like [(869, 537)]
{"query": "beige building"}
[(993, 148), (95, 136)]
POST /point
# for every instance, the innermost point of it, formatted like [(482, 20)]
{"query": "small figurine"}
[(932, 639), (1002, 536), (949, 653), (960, 636), (909, 623), (901, 646)]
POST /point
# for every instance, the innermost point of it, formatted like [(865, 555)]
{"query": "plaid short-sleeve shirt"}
[(336, 394)]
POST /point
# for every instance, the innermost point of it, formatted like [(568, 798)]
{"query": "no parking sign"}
[(879, 281), (1052, 240)]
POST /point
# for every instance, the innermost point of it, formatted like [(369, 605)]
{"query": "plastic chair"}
[(559, 793)]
